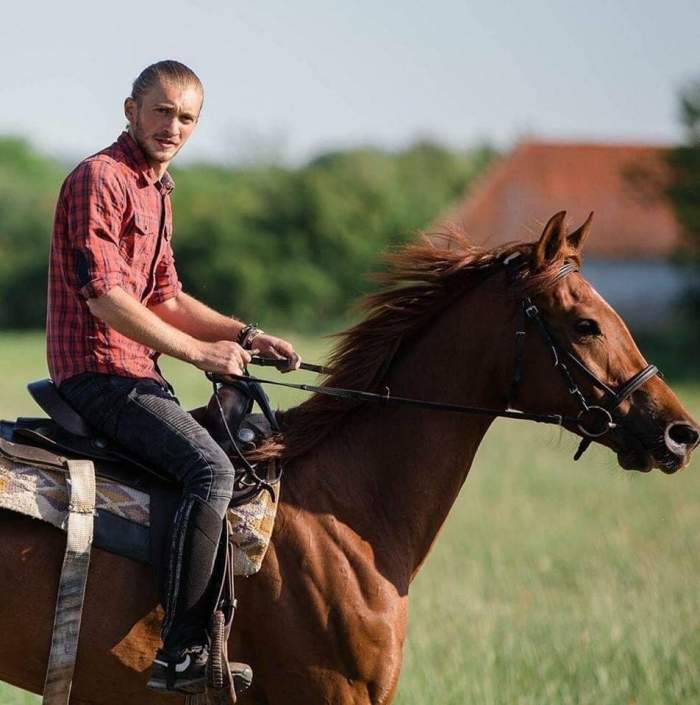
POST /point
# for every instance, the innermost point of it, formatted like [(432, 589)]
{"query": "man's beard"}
[(139, 135)]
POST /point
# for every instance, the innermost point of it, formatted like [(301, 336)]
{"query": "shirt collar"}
[(137, 160)]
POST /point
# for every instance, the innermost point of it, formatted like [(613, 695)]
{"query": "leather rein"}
[(593, 421)]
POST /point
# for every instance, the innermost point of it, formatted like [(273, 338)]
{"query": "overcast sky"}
[(300, 76)]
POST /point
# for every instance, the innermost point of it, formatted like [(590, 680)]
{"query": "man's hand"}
[(223, 357), (277, 349)]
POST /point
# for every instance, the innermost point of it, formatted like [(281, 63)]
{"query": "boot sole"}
[(190, 687)]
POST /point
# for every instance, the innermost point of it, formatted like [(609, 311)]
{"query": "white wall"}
[(643, 292)]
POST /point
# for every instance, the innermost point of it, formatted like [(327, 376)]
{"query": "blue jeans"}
[(145, 418)]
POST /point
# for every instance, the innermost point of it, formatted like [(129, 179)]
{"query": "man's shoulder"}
[(106, 167)]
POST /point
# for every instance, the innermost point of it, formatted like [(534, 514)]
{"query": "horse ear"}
[(551, 242), (576, 239)]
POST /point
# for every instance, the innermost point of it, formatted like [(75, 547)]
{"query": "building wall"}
[(643, 292)]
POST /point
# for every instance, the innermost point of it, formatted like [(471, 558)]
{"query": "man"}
[(115, 304)]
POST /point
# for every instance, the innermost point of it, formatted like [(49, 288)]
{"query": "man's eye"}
[(586, 326)]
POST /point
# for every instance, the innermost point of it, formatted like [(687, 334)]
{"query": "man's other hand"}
[(223, 357), (277, 349)]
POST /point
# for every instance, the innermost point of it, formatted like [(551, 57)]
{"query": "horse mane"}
[(419, 280)]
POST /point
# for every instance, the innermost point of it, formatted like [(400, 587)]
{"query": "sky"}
[(290, 80)]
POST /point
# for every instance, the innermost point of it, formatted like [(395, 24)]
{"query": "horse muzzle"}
[(669, 451)]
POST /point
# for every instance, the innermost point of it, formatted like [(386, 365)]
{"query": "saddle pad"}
[(122, 513)]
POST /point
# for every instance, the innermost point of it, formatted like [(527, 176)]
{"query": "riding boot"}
[(191, 597), (193, 548), (181, 665)]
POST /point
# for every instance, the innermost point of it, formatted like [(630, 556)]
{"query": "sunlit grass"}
[(556, 582), (553, 582)]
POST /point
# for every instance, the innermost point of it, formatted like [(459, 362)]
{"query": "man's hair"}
[(168, 71)]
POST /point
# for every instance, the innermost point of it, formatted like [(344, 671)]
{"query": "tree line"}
[(290, 247), (684, 193), (283, 246)]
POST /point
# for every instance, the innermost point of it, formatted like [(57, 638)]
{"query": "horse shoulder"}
[(334, 620)]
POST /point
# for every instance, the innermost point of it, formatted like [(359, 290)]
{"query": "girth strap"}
[(71, 587)]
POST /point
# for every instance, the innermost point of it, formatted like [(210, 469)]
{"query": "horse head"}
[(649, 426)]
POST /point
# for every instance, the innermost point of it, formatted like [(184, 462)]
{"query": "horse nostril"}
[(683, 434)]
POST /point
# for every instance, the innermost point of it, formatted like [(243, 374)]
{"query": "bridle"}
[(593, 421)]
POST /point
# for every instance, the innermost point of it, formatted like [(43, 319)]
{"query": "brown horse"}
[(366, 488)]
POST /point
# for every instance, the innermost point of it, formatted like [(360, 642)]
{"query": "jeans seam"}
[(219, 495), (183, 436)]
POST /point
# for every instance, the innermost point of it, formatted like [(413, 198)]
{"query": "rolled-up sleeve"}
[(94, 212), (167, 283)]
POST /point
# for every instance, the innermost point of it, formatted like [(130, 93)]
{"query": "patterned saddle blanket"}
[(122, 518)]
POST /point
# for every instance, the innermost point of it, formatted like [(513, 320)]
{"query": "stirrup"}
[(224, 675), (242, 676)]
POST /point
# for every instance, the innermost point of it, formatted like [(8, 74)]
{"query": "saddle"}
[(67, 432), (66, 441)]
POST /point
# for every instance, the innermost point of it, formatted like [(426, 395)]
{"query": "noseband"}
[(594, 419)]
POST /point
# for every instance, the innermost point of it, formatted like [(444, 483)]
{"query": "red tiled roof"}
[(520, 192)]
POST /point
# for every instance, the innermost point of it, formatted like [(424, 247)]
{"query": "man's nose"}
[(172, 126)]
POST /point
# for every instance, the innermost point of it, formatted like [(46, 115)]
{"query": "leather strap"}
[(519, 356), (71, 586), (31, 455)]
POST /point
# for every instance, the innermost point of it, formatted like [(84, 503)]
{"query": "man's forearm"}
[(135, 321), (196, 319)]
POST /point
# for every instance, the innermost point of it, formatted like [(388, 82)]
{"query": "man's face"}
[(163, 119)]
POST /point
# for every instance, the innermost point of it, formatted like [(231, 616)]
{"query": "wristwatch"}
[(247, 335)]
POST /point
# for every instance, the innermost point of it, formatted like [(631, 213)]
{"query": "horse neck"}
[(405, 466)]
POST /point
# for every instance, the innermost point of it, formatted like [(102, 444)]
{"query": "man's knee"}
[(211, 476), (224, 476)]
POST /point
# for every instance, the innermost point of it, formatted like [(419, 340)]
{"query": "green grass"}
[(553, 582), (22, 359)]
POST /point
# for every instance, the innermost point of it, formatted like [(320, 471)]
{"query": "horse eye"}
[(586, 326)]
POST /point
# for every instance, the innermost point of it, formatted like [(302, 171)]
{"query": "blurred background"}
[(331, 132)]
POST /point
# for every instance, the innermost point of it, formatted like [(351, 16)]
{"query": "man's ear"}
[(130, 109), (552, 242)]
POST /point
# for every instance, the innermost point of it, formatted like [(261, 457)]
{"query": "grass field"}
[(553, 583)]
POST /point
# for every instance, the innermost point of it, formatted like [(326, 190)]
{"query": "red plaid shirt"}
[(113, 227)]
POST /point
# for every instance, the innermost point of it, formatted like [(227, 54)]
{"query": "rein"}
[(389, 399), (593, 421)]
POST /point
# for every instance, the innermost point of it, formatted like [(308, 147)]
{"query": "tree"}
[(28, 187), (684, 194), (285, 247), (684, 190)]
